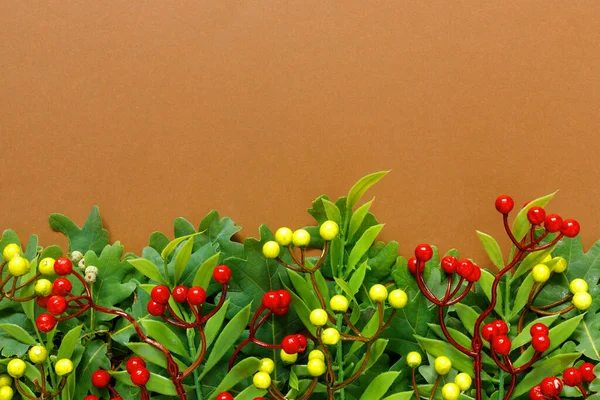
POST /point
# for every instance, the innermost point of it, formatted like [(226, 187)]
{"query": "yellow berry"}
[(271, 249), (578, 285), (560, 266), (378, 293), (541, 273), (450, 391), (339, 303), (16, 368), (330, 336), (283, 236), (261, 380), (37, 354), (582, 300), (547, 259), (266, 365), (442, 365), (329, 230), (6, 393), (397, 298), (316, 354), (10, 251), (288, 358), (413, 359), (46, 266), (43, 287), (463, 381), (18, 266), (63, 367), (5, 380), (316, 367), (318, 317), (301, 238)]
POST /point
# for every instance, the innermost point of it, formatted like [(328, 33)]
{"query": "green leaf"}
[(377, 349), (531, 260), (67, 345), (204, 273), (158, 241), (214, 323), (304, 290), (152, 354), (368, 331), (333, 213), (362, 246), (439, 348), (227, 338), (148, 269), (92, 236), (174, 243), (358, 277), (18, 333), (400, 396), (467, 316), (159, 331), (10, 345), (357, 218), (521, 224), (492, 248), (182, 258), (242, 370), (549, 367), (250, 393), (522, 296), (379, 386), (94, 358), (360, 187), (525, 337), (156, 384), (302, 310)]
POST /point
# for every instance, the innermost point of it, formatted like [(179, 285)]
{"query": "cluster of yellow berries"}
[(442, 366), (262, 379), (299, 238), (6, 391), (397, 298), (17, 265), (541, 272), (582, 300)]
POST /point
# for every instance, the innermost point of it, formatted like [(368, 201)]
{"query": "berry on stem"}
[(6, 393), (18, 266), (133, 363), (180, 294), (316, 354), (140, 376), (56, 305), (160, 294), (261, 380), (475, 274), (63, 367), (587, 372), (16, 368), (398, 298), (101, 379), (570, 228), (45, 322), (535, 393), (339, 303), (540, 343), (463, 381), (63, 266), (464, 268), (540, 273), (449, 264), (551, 386), (224, 396), (46, 266), (501, 344), (266, 365), (329, 230), (413, 359), (423, 252), (222, 274), (37, 354), (284, 298), (287, 357), (488, 331), (196, 295), (538, 329), (578, 285), (330, 336), (378, 293), (501, 326), (301, 238), (582, 300), (552, 223), (572, 376), (283, 237), (412, 265), (155, 308), (318, 317), (504, 204), (11, 250), (271, 300), (271, 249), (62, 287), (316, 367), (536, 215), (290, 344), (43, 287), (450, 391), (442, 365)]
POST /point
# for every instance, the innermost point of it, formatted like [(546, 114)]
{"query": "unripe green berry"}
[(318, 317), (283, 236), (339, 303), (413, 359), (450, 391), (442, 365), (378, 293), (540, 273), (301, 238), (397, 298), (330, 336), (578, 285), (582, 300), (271, 249), (329, 230)]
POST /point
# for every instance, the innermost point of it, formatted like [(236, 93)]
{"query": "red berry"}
[(224, 396), (140, 376), (587, 372), (56, 305), (281, 311), (536, 393), (412, 265), (196, 295), (501, 344), (424, 252), (101, 379), (222, 274), (464, 268), (42, 301), (570, 228), (45, 322), (551, 386), (501, 326), (290, 344), (62, 287), (63, 266), (538, 329), (488, 332), (271, 300), (553, 222), (572, 377), (540, 343), (284, 298), (180, 294), (160, 294), (91, 397), (302, 341), (449, 264), (133, 363), (156, 309), (536, 215), (504, 204), (475, 274)]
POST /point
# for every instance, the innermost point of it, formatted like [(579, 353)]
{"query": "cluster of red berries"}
[(496, 333), (537, 216), (464, 268), (136, 368), (551, 386), (294, 344), (195, 295), (277, 301), (228, 396)]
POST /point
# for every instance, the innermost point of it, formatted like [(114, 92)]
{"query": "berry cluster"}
[(551, 387)]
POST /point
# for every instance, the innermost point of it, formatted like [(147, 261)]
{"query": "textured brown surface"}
[(154, 110)]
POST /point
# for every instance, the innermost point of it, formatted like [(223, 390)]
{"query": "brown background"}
[(159, 109)]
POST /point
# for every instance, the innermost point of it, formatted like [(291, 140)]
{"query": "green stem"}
[(340, 356), (190, 337)]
